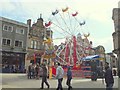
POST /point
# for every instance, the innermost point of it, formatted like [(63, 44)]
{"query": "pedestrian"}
[(114, 72), (37, 69), (44, 77), (93, 70), (119, 73), (109, 80), (33, 71), (59, 76), (29, 72), (69, 78)]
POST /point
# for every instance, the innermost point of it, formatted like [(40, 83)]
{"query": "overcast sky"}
[(96, 13)]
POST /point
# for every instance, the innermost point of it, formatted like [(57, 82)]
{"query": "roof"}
[(13, 21)]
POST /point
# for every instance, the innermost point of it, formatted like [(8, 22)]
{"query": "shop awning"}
[(92, 57)]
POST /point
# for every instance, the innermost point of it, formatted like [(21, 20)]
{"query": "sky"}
[(96, 13)]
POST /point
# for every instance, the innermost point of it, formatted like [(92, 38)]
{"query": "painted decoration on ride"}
[(48, 41), (74, 50), (49, 49), (67, 53)]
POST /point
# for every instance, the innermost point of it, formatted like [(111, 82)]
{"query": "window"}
[(38, 46), (20, 31), (18, 43), (6, 42), (35, 44), (5, 28), (8, 28), (32, 44)]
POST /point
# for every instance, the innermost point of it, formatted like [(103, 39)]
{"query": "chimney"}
[(29, 22)]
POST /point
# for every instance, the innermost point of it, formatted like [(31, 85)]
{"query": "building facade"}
[(110, 58), (36, 36), (13, 42), (116, 35), (100, 50)]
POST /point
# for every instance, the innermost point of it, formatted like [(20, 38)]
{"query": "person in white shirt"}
[(59, 76)]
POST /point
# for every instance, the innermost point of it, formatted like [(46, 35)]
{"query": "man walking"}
[(109, 80), (44, 77), (59, 76)]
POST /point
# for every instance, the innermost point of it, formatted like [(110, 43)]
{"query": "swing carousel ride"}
[(66, 26)]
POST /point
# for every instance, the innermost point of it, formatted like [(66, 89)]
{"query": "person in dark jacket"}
[(44, 77), (37, 69), (69, 78), (114, 72), (93, 70), (29, 72), (109, 80)]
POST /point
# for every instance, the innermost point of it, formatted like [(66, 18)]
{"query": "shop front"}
[(13, 62), (34, 57)]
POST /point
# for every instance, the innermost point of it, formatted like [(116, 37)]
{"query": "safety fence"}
[(85, 72)]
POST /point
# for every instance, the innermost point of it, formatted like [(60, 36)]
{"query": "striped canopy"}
[(92, 57)]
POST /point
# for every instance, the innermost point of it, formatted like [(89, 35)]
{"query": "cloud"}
[(6, 6)]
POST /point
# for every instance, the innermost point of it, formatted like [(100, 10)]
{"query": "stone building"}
[(110, 58), (37, 34), (100, 50), (13, 45), (116, 34)]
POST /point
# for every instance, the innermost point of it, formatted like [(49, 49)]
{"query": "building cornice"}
[(13, 21)]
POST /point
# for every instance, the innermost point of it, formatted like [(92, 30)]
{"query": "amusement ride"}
[(65, 25)]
